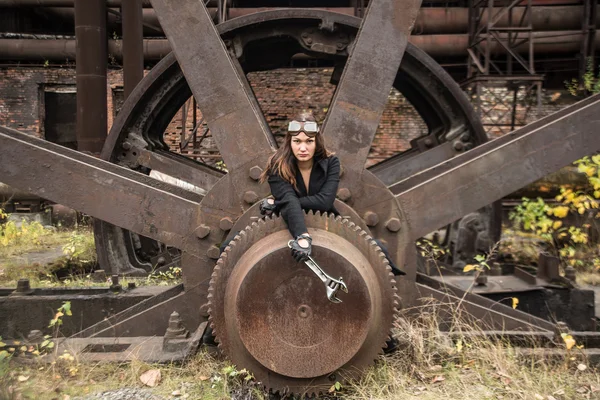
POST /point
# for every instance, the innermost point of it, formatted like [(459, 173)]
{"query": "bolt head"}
[(393, 225), (340, 46), (344, 194), (226, 224), (428, 142), (126, 146), (202, 231), (161, 261), (465, 137), (213, 252), (255, 172), (371, 218), (309, 40), (458, 146), (251, 197)]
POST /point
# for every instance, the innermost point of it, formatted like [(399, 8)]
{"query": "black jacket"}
[(322, 188)]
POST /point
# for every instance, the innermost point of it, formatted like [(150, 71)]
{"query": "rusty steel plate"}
[(271, 315)]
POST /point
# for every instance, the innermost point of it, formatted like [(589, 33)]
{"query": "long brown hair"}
[(283, 162)]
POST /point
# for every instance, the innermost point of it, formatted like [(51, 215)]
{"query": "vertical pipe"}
[(91, 56), (133, 41)]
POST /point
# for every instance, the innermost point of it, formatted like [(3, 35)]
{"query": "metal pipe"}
[(70, 3), (133, 45), (429, 21), (560, 42), (91, 53)]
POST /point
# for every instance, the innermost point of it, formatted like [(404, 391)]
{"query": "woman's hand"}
[(302, 247), (267, 207)]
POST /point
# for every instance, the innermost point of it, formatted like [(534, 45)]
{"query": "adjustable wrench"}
[(332, 285)]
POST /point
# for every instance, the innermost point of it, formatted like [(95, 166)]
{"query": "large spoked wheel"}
[(264, 41)]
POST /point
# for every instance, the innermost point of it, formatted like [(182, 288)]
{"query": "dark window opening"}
[(60, 117)]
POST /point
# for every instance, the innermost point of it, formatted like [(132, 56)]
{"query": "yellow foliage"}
[(569, 341), (515, 302), (556, 225), (560, 211), (469, 267)]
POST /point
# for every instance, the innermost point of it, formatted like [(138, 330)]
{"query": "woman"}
[(303, 175)]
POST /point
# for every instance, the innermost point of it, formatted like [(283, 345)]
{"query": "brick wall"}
[(21, 94), (281, 94)]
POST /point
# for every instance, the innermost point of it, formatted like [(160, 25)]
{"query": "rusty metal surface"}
[(521, 158), (291, 337), (92, 55), (363, 91), (90, 306), (98, 188), (221, 90)]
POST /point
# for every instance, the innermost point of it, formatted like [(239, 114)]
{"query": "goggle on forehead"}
[(308, 127)]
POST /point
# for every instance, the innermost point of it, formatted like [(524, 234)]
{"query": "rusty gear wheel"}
[(271, 316)]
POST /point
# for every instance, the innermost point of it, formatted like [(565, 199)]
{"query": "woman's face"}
[(303, 147)]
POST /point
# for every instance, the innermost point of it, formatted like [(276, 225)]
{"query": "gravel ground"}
[(123, 394)]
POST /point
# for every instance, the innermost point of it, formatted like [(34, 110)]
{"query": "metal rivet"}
[(393, 224), (458, 146), (250, 197), (213, 252), (255, 172), (126, 145), (226, 223), (371, 218), (161, 261), (428, 142), (344, 194), (309, 40), (202, 231), (340, 46), (465, 137)]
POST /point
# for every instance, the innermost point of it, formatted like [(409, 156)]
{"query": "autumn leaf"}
[(515, 302), (560, 211), (438, 378), (568, 339), (556, 225), (469, 267)]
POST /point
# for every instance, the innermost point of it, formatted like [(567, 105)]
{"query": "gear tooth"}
[(317, 213), (337, 218)]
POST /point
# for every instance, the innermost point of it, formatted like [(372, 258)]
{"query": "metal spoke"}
[(497, 168), (220, 88), (103, 190), (370, 71)]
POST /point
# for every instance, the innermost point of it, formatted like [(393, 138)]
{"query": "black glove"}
[(301, 253), (267, 208)]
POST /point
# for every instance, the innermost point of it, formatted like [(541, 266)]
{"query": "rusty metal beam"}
[(368, 76), (497, 168), (98, 188), (217, 82)]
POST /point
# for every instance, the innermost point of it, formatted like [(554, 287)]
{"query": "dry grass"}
[(428, 366)]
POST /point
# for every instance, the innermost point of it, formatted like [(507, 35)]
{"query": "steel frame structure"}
[(484, 74)]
